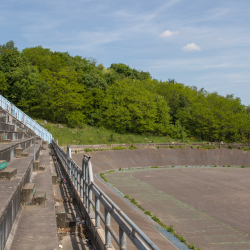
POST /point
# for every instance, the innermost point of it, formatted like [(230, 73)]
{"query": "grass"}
[(89, 135)]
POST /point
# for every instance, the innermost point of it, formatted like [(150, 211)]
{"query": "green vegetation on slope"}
[(73, 90), (89, 135)]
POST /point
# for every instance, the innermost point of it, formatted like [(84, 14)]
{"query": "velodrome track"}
[(216, 200)]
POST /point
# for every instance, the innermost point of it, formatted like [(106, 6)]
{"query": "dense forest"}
[(74, 90)]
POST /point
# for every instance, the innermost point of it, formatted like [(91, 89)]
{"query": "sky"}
[(200, 43)]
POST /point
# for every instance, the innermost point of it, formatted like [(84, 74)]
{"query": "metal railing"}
[(26, 120), (83, 182)]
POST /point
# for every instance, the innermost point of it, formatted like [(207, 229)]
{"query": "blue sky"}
[(197, 42)]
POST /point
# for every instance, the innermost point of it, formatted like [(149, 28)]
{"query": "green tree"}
[(3, 83), (128, 106)]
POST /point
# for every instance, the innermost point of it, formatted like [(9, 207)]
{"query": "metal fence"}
[(82, 179), (26, 120)]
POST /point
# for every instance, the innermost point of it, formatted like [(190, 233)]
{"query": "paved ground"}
[(140, 221), (208, 207), (36, 227)]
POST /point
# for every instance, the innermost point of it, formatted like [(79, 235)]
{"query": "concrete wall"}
[(81, 148)]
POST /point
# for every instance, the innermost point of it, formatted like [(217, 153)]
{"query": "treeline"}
[(74, 90)]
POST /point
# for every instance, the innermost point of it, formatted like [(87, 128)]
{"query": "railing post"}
[(78, 182), (97, 208), (35, 148), (76, 176), (107, 233), (86, 185), (81, 187), (84, 182), (89, 196), (122, 239)]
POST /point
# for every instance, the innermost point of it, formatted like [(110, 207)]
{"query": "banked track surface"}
[(107, 160)]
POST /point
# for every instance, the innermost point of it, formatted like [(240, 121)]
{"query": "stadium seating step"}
[(8, 174)]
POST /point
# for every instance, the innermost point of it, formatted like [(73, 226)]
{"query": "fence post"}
[(86, 185), (97, 208), (35, 148), (89, 196), (107, 233), (122, 239), (84, 181)]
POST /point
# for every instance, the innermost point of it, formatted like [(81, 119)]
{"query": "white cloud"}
[(191, 47), (169, 33)]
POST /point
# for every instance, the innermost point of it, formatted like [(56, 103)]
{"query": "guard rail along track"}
[(25, 119), (82, 180)]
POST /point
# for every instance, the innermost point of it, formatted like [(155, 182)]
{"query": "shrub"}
[(126, 196), (132, 147), (230, 147), (156, 219), (134, 201), (140, 207), (215, 166), (172, 166), (148, 213), (88, 150), (243, 166), (155, 167), (170, 229), (120, 169), (103, 177)]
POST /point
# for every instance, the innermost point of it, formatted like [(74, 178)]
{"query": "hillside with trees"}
[(74, 90)]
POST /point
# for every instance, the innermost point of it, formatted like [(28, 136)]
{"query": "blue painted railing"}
[(25, 119)]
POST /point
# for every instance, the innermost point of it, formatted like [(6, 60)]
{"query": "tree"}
[(128, 106), (7, 47), (3, 83)]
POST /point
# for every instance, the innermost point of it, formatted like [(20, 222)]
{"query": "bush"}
[(88, 150), (132, 147), (230, 147), (148, 213), (126, 196), (103, 177), (134, 201)]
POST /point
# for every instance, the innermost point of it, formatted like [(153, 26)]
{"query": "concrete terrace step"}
[(12, 135), (7, 150), (36, 228), (10, 192), (6, 127)]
